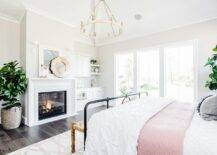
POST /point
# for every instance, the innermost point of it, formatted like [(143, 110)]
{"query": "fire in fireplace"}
[(51, 104)]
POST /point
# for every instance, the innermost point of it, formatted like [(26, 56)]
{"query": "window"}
[(167, 71), (148, 72), (179, 74), (124, 73)]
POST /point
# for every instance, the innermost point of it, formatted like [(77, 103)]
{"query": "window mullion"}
[(135, 72), (161, 72)]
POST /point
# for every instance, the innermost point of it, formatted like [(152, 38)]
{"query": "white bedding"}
[(115, 131), (201, 137)]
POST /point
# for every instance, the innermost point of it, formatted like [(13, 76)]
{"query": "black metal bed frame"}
[(125, 97)]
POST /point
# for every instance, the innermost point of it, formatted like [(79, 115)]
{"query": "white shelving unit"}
[(95, 73), (92, 73), (94, 69), (93, 65)]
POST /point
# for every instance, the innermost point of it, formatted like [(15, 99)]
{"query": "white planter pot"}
[(11, 118)]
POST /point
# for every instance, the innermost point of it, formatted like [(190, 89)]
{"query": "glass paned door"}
[(179, 74), (124, 65), (148, 72)]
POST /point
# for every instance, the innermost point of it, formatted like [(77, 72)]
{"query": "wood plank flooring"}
[(11, 140)]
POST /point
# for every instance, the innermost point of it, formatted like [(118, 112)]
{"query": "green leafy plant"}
[(215, 49), (211, 83), (13, 83)]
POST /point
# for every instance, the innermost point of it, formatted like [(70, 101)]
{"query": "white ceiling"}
[(157, 15)]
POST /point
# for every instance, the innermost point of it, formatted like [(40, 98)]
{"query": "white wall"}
[(9, 41), (53, 33), (23, 41), (204, 32), (43, 31), (49, 32)]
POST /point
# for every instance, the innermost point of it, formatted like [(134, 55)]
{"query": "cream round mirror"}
[(59, 66)]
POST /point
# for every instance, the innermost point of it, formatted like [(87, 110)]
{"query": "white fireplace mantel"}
[(37, 85)]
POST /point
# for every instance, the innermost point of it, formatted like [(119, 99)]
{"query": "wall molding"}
[(44, 14), (9, 18), (78, 37), (142, 35)]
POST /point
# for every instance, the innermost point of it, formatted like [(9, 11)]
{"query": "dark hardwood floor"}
[(11, 140)]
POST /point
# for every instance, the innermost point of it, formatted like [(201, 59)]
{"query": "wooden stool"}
[(79, 126)]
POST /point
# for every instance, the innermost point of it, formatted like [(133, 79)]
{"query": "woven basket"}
[(11, 118)]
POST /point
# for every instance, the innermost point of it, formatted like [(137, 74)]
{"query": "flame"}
[(48, 105)]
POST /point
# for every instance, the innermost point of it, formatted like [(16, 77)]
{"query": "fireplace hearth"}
[(51, 104)]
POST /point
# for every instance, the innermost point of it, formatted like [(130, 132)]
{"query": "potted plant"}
[(211, 83), (13, 83)]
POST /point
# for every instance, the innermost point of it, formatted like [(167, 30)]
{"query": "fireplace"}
[(51, 104)]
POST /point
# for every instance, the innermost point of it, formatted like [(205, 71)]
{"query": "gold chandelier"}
[(89, 28)]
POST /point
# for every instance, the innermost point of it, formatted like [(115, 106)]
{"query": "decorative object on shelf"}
[(59, 66), (211, 83), (95, 67), (13, 83), (113, 27), (93, 61), (82, 95), (96, 70), (46, 54), (93, 82), (44, 72)]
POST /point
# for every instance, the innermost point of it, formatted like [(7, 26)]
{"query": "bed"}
[(117, 131)]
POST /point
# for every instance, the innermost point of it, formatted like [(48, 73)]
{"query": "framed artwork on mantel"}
[(46, 54)]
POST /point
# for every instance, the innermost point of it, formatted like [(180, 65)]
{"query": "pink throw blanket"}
[(164, 133)]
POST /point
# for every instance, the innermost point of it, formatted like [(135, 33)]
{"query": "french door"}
[(124, 73), (179, 72), (166, 71), (148, 71)]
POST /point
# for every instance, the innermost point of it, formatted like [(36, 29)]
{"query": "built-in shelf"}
[(95, 65), (95, 73), (81, 99)]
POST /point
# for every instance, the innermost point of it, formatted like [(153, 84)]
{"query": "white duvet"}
[(115, 131)]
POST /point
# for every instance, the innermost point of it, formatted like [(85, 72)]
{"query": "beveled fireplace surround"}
[(39, 89)]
